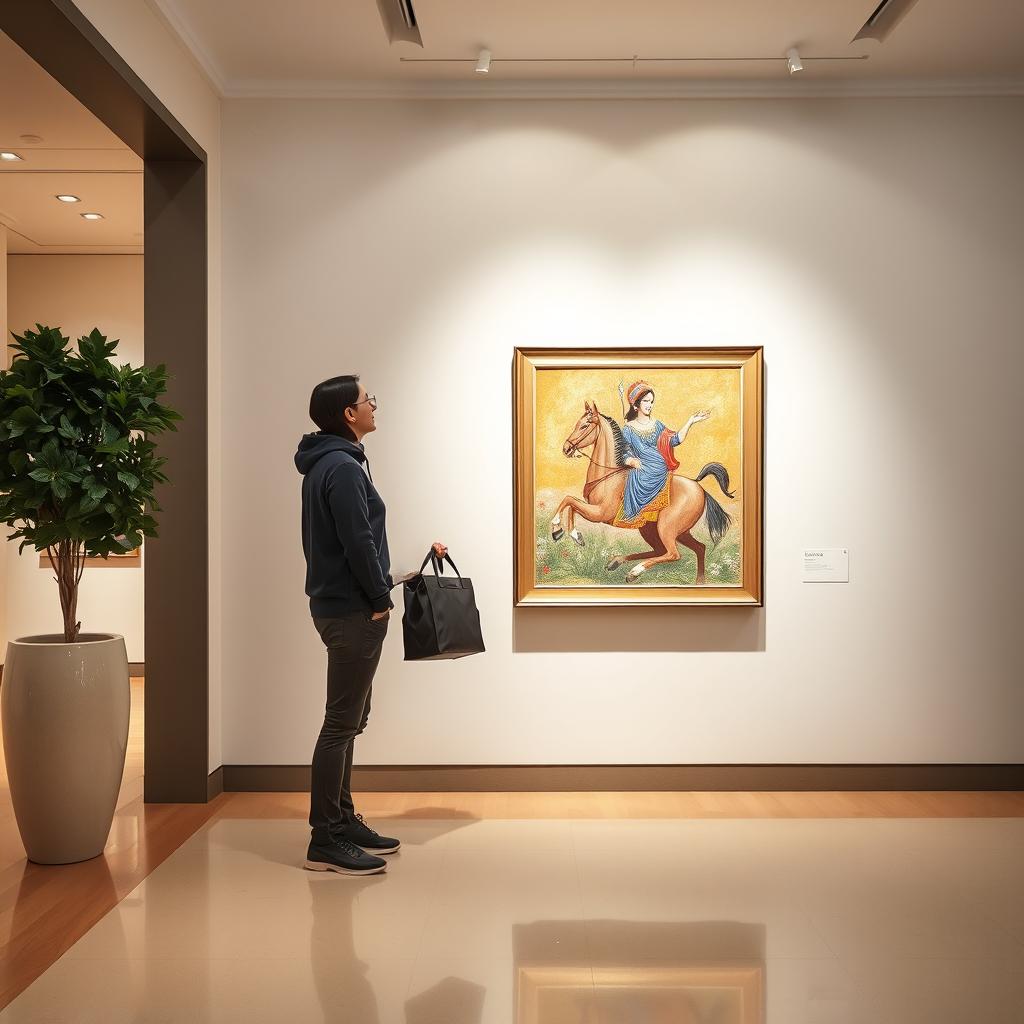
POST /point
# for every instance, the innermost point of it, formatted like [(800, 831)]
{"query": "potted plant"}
[(77, 473)]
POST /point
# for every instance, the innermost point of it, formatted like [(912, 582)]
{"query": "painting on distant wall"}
[(638, 476), (115, 560)]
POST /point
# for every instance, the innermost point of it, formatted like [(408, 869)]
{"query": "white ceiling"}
[(266, 47), (77, 155), (339, 47)]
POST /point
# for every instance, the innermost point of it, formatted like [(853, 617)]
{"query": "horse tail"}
[(718, 519), (720, 473)]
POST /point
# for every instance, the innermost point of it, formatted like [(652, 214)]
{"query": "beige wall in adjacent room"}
[(139, 34), (873, 247), (76, 294)]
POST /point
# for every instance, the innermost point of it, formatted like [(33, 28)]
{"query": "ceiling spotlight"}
[(483, 64), (6, 155), (92, 216), (793, 60), (69, 199)]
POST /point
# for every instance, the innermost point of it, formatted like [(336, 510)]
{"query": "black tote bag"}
[(441, 618)]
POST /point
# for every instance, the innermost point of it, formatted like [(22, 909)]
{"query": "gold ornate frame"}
[(749, 362)]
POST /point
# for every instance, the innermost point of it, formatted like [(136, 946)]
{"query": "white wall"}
[(873, 247), (76, 294), (157, 56)]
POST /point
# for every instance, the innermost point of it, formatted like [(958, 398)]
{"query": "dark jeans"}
[(354, 644)]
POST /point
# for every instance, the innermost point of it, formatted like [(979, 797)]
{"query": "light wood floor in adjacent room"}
[(45, 910)]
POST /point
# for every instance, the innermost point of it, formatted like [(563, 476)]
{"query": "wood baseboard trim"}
[(705, 778), (135, 668), (215, 783)]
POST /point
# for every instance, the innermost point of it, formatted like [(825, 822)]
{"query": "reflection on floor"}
[(701, 921), (44, 910)]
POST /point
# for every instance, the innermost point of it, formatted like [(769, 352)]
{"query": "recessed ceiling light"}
[(93, 216), (32, 140), (69, 199), (7, 155)]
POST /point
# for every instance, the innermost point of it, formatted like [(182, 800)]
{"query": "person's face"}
[(361, 415), (647, 403)]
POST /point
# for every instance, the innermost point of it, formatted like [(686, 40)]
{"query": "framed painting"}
[(638, 476), (115, 560)]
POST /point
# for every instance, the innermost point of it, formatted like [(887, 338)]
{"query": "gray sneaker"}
[(344, 857)]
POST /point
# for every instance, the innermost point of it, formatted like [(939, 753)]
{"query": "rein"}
[(588, 488)]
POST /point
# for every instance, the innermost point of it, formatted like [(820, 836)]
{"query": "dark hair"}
[(329, 401), (634, 409)]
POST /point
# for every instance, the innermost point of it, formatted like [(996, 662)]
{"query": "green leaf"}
[(78, 459), (20, 391), (25, 415)]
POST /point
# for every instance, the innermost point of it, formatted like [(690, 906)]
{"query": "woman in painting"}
[(650, 445)]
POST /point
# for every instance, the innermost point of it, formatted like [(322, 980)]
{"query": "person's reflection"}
[(450, 1001), (345, 993)]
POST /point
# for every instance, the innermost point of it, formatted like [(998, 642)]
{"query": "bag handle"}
[(438, 564)]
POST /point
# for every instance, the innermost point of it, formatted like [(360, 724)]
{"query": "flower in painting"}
[(715, 570), (547, 569)]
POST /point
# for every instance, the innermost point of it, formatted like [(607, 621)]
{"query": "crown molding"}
[(621, 90), (171, 15), (562, 89)]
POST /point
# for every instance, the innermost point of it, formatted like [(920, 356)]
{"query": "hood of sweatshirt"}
[(314, 447)]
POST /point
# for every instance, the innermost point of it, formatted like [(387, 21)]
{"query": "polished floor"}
[(613, 921), (594, 908)]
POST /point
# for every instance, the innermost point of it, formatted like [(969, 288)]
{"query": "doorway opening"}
[(170, 177)]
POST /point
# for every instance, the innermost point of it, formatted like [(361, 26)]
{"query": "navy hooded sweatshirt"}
[(343, 538)]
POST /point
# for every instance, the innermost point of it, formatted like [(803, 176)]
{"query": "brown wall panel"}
[(701, 778), (177, 603)]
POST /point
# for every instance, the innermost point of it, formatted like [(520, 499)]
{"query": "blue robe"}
[(645, 484)]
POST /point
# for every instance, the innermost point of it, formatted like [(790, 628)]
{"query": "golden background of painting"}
[(678, 393)]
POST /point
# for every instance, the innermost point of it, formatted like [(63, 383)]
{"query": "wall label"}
[(826, 565)]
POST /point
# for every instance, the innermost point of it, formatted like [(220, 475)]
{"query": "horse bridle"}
[(575, 449)]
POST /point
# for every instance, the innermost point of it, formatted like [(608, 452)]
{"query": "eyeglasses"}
[(372, 399)]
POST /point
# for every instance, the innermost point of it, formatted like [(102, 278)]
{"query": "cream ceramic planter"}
[(65, 726)]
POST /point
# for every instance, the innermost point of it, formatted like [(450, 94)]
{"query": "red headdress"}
[(636, 390)]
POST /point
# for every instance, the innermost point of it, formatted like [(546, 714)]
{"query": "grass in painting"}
[(564, 563)]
